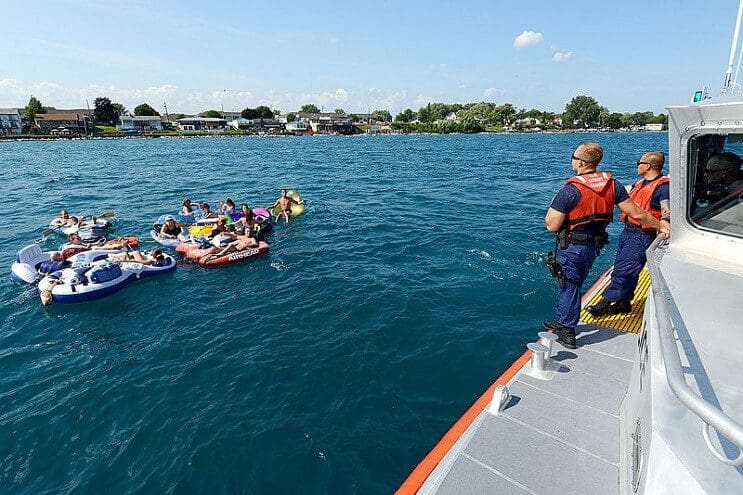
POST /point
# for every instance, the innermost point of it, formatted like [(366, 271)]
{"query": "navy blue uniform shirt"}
[(568, 197)]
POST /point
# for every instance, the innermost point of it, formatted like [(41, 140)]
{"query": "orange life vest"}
[(596, 203), (642, 194)]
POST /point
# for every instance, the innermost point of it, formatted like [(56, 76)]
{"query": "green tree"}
[(34, 106), (309, 108), (339, 111), (213, 114), (119, 108), (613, 120), (104, 111), (425, 115), (406, 116), (353, 117), (145, 110), (250, 114), (264, 112), (382, 116), (581, 111), (291, 117)]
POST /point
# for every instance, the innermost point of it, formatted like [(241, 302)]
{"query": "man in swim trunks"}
[(285, 202), (65, 220)]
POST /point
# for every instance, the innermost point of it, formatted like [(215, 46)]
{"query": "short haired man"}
[(651, 193), (579, 215)]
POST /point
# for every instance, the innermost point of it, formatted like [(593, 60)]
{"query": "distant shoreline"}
[(45, 137)]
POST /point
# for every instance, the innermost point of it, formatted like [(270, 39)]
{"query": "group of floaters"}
[(89, 266)]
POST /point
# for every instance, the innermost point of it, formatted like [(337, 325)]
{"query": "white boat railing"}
[(707, 412)]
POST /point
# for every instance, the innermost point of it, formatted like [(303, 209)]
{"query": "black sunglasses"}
[(640, 162)]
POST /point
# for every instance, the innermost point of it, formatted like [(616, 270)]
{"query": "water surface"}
[(333, 364)]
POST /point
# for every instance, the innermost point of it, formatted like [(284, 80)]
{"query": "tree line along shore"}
[(110, 119)]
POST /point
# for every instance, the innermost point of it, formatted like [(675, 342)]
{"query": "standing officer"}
[(651, 194), (579, 214)]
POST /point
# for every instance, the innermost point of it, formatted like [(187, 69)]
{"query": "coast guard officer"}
[(579, 214), (651, 194)]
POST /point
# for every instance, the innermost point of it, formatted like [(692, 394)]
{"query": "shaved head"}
[(655, 159)]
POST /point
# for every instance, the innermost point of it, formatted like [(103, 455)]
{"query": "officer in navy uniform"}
[(579, 214), (651, 194)]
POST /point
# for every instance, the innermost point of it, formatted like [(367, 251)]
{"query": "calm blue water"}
[(332, 365)]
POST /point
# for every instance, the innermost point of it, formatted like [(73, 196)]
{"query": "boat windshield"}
[(716, 186)]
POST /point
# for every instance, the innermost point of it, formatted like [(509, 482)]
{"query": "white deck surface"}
[(555, 436)]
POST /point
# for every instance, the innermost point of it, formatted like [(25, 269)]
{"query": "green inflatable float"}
[(296, 209)]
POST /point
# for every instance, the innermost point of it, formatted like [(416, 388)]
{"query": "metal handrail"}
[(708, 413)]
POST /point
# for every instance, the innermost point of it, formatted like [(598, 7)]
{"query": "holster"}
[(556, 270)]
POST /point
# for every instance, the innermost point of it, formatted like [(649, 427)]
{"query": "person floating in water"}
[(285, 202)]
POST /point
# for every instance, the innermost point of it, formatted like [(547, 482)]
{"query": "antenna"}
[(733, 47)]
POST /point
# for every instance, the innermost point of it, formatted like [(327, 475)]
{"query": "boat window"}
[(716, 186)]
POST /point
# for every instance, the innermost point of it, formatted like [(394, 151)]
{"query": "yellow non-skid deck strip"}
[(631, 322)]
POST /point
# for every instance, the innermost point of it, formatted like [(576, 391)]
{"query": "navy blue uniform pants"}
[(576, 260), (628, 264)]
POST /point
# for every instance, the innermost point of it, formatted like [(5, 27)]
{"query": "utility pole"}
[(167, 117), (223, 93), (85, 122)]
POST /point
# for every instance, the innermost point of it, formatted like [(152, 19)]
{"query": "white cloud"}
[(341, 95), (527, 39), (491, 92), (560, 57), (164, 90)]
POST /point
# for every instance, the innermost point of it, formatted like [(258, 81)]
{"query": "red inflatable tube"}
[(212, 260)]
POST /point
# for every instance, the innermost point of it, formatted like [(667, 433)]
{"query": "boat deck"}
[(555, 435)]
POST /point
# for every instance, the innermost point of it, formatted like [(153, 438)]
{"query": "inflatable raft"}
[(245, 254), (120, 243), (26, 267), (100, 225), (85, 282)]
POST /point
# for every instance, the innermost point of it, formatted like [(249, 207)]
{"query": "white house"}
[(654, 127), (201, 124), (10, 121), (141, 123), (452, 117)]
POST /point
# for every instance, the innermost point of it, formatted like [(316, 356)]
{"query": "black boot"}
[(622, 306), (551, 324), (602, 308), (565, 336)]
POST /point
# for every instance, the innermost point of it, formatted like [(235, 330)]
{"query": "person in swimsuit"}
[(65, 220), (206, 211), (285, 202), (55, 263), (240, 243), (155, 258), (170, 230), (187, 208)]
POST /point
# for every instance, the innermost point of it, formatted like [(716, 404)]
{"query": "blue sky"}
[(630, 55)]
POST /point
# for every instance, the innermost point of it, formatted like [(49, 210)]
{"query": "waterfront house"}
[(142, 123), (227, 116), (481, 120), (297, 127), (452, 117), (241, 123), (653, 127), (201, 124), (76, 122), (326, 122), (10, 121)]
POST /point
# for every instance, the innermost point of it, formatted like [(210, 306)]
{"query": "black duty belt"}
[(636, 229)]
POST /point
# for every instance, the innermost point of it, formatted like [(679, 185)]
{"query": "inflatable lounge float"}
[(86, 225), (295, 208), (120, 243), (89, 282), (166, 241), (25, 268), (245, 254)]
